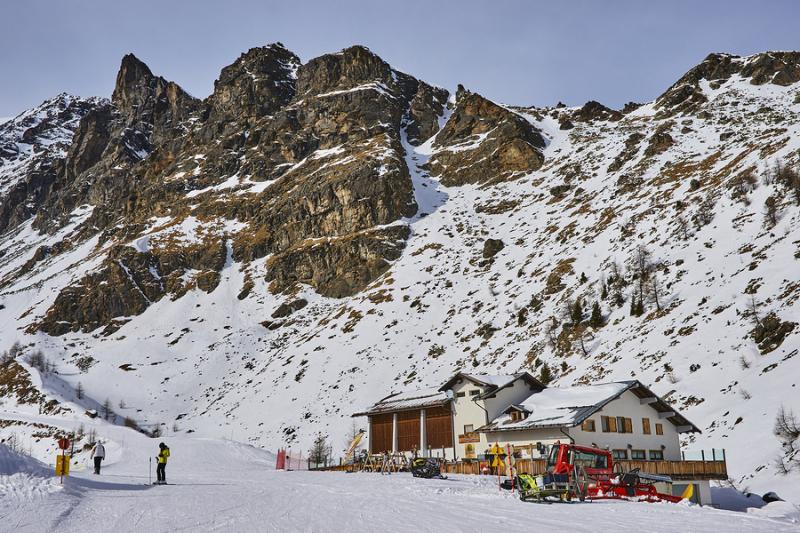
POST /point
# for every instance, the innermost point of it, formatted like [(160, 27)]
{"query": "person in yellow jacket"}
[(161, 469)]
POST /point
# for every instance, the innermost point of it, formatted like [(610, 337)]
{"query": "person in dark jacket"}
[(161, 469), (98, 453)]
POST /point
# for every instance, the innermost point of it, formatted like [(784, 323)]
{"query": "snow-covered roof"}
[(402, 401), (497, 380), (570, 406), (492, 382)]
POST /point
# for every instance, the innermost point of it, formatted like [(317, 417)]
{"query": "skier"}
[(98, 453), (162, 457)]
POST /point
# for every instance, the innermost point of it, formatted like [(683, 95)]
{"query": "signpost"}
[(62, 461)]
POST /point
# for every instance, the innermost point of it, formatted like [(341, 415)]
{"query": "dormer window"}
[(474, 392), (516, 416)]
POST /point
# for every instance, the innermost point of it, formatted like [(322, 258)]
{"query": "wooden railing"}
[(680, 469), (677, 470)]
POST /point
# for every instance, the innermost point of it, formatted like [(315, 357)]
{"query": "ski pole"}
[(150, 472)]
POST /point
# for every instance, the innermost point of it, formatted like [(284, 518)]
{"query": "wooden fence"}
[(677, 470)]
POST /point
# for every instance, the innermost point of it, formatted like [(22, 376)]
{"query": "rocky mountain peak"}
[(259, 82), (149, 100), (344, 70), (687, 94), (133, 76)]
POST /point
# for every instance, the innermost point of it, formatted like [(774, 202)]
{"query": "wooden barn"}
[(420, 420)]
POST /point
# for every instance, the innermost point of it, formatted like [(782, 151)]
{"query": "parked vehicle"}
[(582, 472)]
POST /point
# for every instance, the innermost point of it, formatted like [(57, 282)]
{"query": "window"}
[(588, 460), (460, 394), (516, 416), (619, 455), (659, 429), (474, 392), (638, 455), (588, 425), (656, 455), (646, 426), (624, 425), (628, 425), (609, 424), (468, 428)]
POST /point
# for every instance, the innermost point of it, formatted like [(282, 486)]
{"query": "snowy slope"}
[(204, 362)]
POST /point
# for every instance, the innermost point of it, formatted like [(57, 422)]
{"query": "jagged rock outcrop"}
[(32, 154), (323, 138), (592, 110), (260, 82), (483, 142), (687, 96), (343, 266)]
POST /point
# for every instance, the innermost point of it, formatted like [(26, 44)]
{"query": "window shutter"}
[(646, 426), (628, 425), (659, 429), (612, 424)]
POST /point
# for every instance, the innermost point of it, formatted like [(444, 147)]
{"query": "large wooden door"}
[(439, 427), (407, 430), (380, 433)]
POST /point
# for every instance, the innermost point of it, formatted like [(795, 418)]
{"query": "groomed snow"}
[(218, 485)]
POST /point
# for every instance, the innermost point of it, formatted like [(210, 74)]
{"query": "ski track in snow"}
[(218, 485)]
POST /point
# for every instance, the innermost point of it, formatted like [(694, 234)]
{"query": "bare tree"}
[(79, 390), (752, 309), (771, 211), (642, 266), (683, 230), (107, 409), (584, 335), (655, 290)]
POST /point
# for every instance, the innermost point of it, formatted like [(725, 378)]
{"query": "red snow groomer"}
[(581, 472)]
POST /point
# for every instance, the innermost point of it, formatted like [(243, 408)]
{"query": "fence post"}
[(703, 455)]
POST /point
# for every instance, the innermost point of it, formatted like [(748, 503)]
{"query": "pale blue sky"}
[(516, 52)]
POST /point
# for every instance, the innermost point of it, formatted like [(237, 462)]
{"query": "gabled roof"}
[(492, 382), (555, 407), (403, 401)]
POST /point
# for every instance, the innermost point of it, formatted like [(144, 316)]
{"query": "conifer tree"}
[(596, 320), (545, 374)]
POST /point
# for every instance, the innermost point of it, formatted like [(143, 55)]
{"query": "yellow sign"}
[(62, 465), (498, 462), (469, 451)]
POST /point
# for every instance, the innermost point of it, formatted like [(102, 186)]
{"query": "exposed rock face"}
[(149, 102), (686, 95), (483, 142), (660, 141), (259, 83), (426, 108), (324, 140), (129, 281), (343, 266), (592, 111), (32, 153), (491, 247)]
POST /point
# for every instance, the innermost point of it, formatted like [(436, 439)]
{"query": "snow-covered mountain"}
[(313, 236)]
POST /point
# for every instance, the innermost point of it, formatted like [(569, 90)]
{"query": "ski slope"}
[(219, 485)]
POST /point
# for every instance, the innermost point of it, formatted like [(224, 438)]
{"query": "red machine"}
[(592, 473)]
